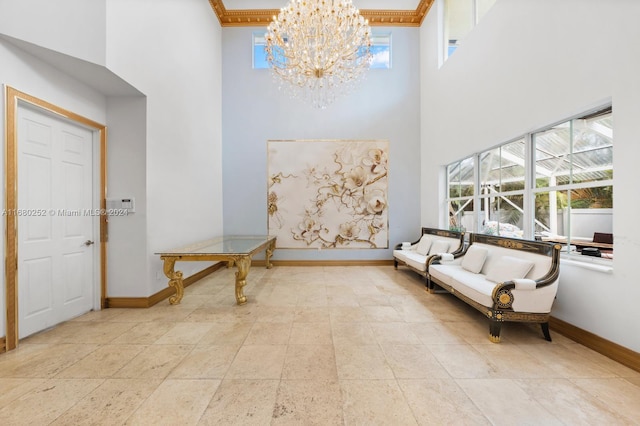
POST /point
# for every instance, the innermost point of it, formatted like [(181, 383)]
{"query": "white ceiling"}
[(360, 4)]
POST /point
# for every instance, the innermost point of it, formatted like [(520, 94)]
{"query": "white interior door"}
[(55, 221)]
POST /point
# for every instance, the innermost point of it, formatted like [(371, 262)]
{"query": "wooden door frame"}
[(13, 98)]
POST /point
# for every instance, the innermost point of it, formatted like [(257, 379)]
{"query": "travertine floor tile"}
[(308, 402), (463, 361), (511, 361), (361, 362), (375, 402), (435, 333), (618, 394), (565, 362), (503, 402), (393, 333), (184, 333), (104, 362), (258, 362), (276, 314), (176, 402), (413, 362), (45, 403), (347, 314), (566, 401), (311, 333), (46, 363), (111, 403), (242, 402), (441, 402), (310, 362), (205, 362), (227, 333), (11, 389), (269, 333), (311, 314), (359, 333), (154, 362), (144, 333)]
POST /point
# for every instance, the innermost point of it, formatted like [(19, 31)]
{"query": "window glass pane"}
[(591, 211), (502, 169), (453, 177), (461, 215), (381, 51), (459, 20), (490, 171), (592, 148), (466, 177), (259, 54), (549, 218), (552, 156), (577, 217), (600, 197), (512, 166), (460, 178), (503, 216)]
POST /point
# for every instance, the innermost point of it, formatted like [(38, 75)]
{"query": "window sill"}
[(604, 266)]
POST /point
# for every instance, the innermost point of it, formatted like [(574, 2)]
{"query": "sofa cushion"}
[(424, 245), (411, 258), (475, 286), (443, 272), (508, 268), (474, 258), (439, 246)]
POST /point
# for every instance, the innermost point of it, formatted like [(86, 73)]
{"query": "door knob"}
[(88, 243)]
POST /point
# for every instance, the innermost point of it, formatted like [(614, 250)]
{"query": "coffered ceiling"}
[(246, 13)]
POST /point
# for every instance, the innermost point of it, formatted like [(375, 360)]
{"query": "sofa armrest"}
[(435, 259), (502, 296)]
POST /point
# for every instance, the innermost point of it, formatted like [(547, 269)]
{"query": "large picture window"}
[(555, 184)]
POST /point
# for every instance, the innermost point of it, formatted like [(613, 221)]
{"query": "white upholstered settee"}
[(507, 279), (432, 241)]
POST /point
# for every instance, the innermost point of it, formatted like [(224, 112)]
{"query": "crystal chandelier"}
[(319, 48)]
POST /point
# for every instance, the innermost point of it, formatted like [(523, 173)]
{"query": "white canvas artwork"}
[(328, 193)]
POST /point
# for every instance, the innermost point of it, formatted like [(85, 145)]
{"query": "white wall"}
[(127, 177), (526, 65), (385, 106), (72, 27), (170, 50)]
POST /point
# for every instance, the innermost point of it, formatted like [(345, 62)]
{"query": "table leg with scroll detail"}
[(243, 264), (269, 253), (175, 279)]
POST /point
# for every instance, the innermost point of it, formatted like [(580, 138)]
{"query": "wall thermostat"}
[(118, 205)]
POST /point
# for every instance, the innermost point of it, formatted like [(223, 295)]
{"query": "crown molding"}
[(262, 17)]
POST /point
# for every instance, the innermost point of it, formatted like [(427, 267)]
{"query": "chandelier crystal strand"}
[(319, 49)]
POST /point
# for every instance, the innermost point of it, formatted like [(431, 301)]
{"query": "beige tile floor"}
[(313, 346)]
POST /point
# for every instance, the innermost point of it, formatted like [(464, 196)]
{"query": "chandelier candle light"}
[(321, 48)]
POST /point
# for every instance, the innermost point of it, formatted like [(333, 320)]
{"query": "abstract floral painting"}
[(327, 194)]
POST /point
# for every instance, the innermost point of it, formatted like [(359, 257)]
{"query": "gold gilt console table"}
[(236, 250)]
